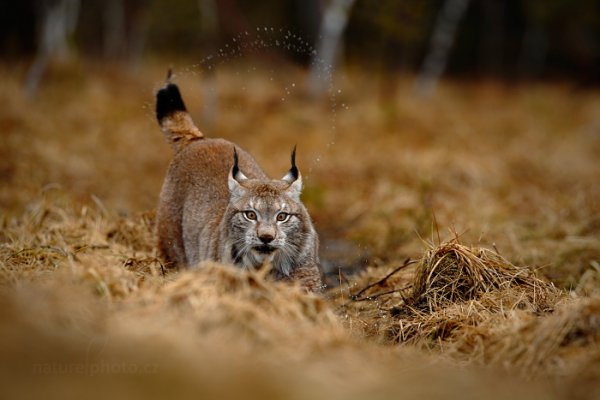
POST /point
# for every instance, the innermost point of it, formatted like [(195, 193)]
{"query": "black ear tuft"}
[(168, 101), (294, 169), (235, 169)]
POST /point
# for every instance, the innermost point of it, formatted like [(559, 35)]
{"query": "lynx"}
[(217, 204)]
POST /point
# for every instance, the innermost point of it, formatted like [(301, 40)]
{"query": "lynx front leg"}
[(309, 277)]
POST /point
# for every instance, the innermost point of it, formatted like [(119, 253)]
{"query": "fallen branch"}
[(357, 296)]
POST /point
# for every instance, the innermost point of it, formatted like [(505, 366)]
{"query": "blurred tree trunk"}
[(442, 39), (541, 22), (209, 25), (58, 22), (137, 35), (306, 15), (114, 29), (533, 51), (329, 42), (125, 29), (231, 19), (492, 41)]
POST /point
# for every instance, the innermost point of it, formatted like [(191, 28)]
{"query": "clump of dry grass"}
[(474, 306), (452, 291), (453, 273)]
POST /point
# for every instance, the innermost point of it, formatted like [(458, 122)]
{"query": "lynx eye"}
[(250, 215), (282, 217)]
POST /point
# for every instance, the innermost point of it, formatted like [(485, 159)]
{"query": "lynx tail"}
[(175, 122)]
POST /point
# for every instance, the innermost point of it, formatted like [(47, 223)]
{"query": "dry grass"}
[(452, 289), (452, 273), (88, 310)]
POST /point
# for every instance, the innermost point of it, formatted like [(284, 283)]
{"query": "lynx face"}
[(267, 223), (266, 226)]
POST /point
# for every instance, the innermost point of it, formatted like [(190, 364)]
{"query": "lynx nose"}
[(266, 238)]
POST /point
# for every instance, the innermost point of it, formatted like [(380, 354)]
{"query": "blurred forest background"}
[(508, 39)]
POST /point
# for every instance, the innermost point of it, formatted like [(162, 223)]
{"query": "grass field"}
[(481, 204)]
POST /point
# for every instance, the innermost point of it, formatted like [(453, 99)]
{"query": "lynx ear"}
[(236, 177), (294, 178)]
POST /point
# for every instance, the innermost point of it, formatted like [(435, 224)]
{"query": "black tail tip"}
[(168, 101)]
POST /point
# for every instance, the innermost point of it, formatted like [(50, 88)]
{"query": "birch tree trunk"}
[(332, 27), (442, 39), (58, 22)]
